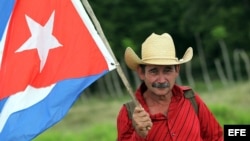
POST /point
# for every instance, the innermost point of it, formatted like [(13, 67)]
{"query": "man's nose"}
[(162, 78)]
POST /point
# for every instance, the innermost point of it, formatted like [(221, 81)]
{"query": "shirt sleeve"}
[(210, 128), (125, 128)]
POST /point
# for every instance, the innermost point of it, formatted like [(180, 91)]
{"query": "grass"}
[(94, 119), (230, 105)]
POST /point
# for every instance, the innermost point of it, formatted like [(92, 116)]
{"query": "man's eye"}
[(168, 70), (153, 71)]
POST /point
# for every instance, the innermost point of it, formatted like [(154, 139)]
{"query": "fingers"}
[(140, 115), (141, 121), (148, 127)]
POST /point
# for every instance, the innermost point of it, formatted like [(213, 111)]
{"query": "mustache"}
[(160, 85)]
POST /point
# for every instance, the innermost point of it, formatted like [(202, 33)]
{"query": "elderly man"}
[(164, 113)]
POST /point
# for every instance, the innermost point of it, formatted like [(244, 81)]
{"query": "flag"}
[(49, 53)]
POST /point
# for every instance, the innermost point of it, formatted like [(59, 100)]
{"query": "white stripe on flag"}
[(2, 43), (100, 44), (25, 99)]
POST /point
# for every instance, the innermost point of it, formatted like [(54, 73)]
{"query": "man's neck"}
[(153, 99)]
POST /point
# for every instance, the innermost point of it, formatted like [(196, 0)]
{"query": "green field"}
[(94, 119)]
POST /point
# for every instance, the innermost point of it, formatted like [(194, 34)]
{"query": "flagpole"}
[(118, 67)]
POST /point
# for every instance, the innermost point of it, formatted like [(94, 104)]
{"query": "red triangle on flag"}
[(76, 54)]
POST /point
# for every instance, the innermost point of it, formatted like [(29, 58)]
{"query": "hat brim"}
[(133, 61)]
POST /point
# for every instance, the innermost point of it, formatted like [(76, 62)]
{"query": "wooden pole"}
[(118, 67), (203, 62)]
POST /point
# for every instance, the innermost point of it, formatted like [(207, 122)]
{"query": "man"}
[(164, 114)]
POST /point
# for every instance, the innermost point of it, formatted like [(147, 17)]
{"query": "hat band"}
[(157, 59)]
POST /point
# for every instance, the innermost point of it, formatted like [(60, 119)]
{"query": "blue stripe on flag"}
[(49, 111), (2, 102), (6, 7)]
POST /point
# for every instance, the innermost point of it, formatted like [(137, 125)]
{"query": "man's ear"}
[(177, 68), (140, 73)]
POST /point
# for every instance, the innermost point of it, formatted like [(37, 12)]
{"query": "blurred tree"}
[(128, 23)]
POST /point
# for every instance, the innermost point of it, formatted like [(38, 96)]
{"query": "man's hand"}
[(141, 121)]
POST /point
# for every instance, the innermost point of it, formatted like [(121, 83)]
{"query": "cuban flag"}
[(49, 53)]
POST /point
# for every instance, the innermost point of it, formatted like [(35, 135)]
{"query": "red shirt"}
[(180, 124)]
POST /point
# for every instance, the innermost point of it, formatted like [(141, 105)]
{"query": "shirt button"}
[(173, 134)]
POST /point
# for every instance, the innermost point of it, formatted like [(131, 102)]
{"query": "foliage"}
[(135, 20), (211, 27)]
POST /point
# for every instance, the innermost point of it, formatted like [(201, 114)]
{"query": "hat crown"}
[(158, 46)]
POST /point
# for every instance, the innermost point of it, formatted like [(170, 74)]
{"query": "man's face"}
[(159, 79)]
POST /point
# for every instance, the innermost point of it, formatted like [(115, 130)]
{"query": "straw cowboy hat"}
[(156, 50)]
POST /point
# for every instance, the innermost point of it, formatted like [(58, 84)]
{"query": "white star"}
[(41, 39)]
